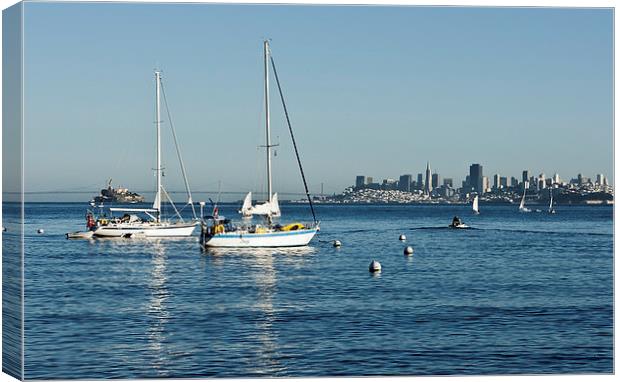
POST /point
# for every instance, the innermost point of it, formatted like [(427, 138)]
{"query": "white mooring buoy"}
[(408, 251), (40, 231), (374, 266), (337, 243), (402, 237)]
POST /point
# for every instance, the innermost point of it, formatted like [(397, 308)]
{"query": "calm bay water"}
[(519, 293)]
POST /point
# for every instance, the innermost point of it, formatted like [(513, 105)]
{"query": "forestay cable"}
[(290, 129), (176, 145)]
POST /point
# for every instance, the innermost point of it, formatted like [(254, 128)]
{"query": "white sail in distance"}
[(551, 211), (522, 204), (474, 205)]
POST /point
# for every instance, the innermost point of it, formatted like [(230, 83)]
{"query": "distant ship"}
[(117, 195)]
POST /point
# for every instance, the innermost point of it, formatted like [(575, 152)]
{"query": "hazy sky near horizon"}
[(377, 91)]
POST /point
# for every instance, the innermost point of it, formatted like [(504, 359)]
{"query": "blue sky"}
[(376, 91)]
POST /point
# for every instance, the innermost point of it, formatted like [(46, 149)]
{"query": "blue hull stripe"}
[(237, 235)]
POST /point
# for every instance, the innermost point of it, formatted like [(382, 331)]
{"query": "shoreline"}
[(601, 203)]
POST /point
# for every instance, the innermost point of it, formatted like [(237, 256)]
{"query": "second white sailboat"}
[(130, 224)]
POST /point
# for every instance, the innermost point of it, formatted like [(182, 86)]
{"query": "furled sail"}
[(270, 208)]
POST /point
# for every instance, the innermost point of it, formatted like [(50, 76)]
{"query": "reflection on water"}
[(266, 281), (528, 302), (261, 252), (156, 309), (141, 240), (263, 263)]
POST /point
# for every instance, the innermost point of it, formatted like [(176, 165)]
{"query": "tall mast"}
[(268, 145), (157, 204)]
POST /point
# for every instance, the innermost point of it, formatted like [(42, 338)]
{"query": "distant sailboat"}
[(551, 209), (522, 207), (474, 205)]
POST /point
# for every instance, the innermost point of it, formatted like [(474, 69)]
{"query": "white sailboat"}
[(154, 226), (551, 209), (220, 232), (474, 205), (522, 207)]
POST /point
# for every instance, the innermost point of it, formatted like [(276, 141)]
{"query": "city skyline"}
[(510, 87), (476, 171)]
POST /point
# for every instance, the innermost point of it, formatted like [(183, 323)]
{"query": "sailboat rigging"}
[(130, 224), (220, 232)]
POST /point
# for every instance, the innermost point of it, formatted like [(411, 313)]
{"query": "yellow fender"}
[(293, 227)]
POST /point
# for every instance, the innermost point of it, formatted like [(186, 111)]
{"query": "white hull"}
[(80, 235), (146, 230), (459, 226), (271, 239)]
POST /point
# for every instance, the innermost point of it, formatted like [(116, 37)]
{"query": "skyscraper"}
[(496, 184), (404, 183), (427, 182), (475, 177), (600, 179), (526, 176), (541, 182), (359, 181), (514, 182), (436, 180), (420, 182), (448, 182), (503, 181)]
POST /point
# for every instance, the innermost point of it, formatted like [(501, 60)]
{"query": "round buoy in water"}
[(408, 251), (337, 243), (40, 230), (374, 266), (402, 237)]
